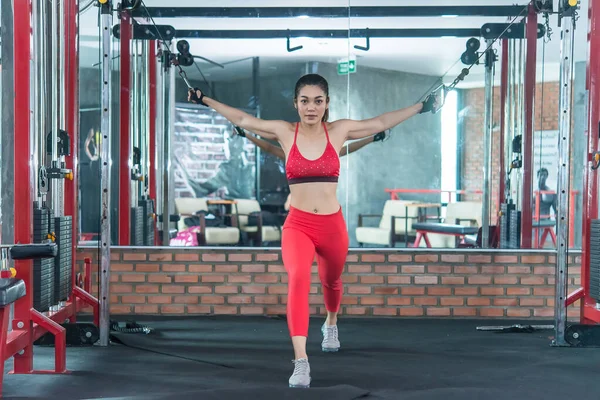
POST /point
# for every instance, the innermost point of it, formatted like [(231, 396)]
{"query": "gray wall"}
[(410, 158)]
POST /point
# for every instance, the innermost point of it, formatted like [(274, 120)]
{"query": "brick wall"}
[(546, 118), (202, 144), (416, 283)]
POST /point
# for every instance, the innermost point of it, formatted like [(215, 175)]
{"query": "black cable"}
[(181, 71)]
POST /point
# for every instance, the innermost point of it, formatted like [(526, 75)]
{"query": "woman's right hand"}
[(195, 96)]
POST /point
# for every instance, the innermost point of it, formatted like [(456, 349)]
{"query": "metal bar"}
[(106, 52), (60, 339), (23, 363), (487, 144), (37, 75), (529, 93), (562, 187), (55, 112), (159, 137), (330, 12), (72, 121), (62, 63), (256, 96), (144, 61), (125, 146), (573, 297), (134, 115), (153, 93), (590, 204), (330, 34), (43, 110), (504, 90), (169, 114)]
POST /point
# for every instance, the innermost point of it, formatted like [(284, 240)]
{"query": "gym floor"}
[(222, 357)]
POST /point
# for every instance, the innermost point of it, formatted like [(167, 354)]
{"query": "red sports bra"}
[(326, 168)]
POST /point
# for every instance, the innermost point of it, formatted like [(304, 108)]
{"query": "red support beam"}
[(153, 93), (530, 73), (72, 113), (23, 197), (590, 204), (124, 137)]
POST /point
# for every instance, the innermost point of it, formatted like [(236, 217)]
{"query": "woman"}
[(315, 224)]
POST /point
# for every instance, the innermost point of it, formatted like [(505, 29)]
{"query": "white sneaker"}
[(301, 376), (330, 342)]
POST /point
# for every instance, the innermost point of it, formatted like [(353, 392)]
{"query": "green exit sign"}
[(346, 67)]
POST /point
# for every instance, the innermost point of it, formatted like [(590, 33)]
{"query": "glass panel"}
[(225, 180), (428, 167), (579, 150), (431, 167)]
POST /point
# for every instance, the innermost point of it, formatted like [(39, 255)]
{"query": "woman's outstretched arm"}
[(360, 129), (269, 129)]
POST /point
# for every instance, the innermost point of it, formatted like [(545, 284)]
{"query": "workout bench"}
[(459, 231)]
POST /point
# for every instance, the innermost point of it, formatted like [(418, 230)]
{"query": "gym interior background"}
[(157, 207), (436, 168)]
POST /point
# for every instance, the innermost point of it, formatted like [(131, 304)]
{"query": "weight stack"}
[(43, 269), (137, 226), (504, 224), (63, 263), (148, 217), (514, 229), (595, 260)]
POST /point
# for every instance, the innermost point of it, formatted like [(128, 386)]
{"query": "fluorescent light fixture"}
[(449, 16), (303, 16)]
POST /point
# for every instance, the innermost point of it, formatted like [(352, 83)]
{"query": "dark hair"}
[(313, 80)]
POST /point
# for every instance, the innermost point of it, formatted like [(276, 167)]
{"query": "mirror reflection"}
[(438, 180)]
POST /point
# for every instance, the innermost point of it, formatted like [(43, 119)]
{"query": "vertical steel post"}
[(55, 111), (169, 120), (256, 95), (152, 99), (504, 90), (487, 144), (563, 187), (106, 53)]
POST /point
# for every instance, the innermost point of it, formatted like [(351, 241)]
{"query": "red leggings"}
[(305, 234)]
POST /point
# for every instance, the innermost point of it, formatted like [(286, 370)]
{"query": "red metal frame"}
[(72, 99), (153, 93), (4, 314), (126, 33), (28, 324), (529, 87), (588, 312)]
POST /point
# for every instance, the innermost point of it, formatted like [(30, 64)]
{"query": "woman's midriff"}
[(316, 198)]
